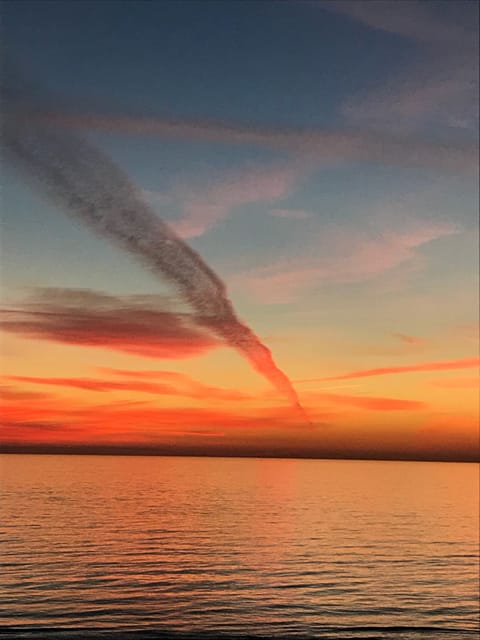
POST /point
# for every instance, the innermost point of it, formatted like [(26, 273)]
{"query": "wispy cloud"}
[(368, 403), (87, 318), (446, 365), (182, 384), (441, 88), (343, 255), (446, 95), (317, 146), (116, 423), (13, 394), (164, 383), (401, 346), (23, 431), (206, 205), (412, 340), (412, 19)]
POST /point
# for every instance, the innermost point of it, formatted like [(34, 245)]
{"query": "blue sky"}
[(277, 63)]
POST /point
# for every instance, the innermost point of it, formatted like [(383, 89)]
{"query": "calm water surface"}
[(184, 547)]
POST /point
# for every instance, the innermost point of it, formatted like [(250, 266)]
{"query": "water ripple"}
[(192, 548)]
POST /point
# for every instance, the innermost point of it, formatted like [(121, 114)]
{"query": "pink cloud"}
[(346, 256), (205, 206), (409, 18), (444, 94), (441, 89)]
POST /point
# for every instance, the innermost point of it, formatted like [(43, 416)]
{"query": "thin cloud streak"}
[(316, 145), (368, 403), (408, 18), (187, 387), (205, 206), (465, 363), (441, 89), (180, 383), (349, 255), (13, 394)]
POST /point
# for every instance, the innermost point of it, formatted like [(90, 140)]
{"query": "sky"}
[(321, 161)]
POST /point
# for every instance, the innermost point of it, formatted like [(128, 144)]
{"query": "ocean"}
[(177, 547)]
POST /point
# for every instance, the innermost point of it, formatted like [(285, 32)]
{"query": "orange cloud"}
[(465, 363), (174, 384), (86, 318), (182, 384), (137, 423), (8, 393), (60, 425), (38, 412), (372, 403)]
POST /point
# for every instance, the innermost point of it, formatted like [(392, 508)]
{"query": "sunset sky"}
[(321, 157)]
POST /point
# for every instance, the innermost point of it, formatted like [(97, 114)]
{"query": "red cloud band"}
[(174, 384), (90, 319)]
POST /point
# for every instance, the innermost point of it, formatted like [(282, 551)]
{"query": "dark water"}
[(138, 547)]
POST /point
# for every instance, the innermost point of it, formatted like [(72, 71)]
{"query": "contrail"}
[(87, 184)]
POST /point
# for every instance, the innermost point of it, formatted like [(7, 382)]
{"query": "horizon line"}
[(112, 451)]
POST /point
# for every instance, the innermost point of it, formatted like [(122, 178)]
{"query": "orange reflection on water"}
[(205, 543)]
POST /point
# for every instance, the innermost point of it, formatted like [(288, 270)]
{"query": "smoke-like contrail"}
[(86, 183)]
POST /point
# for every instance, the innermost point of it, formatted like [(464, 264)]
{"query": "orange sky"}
[(66, 395)]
